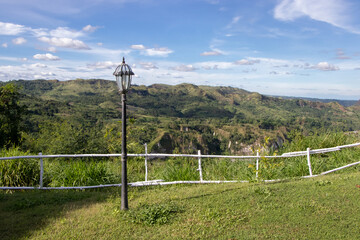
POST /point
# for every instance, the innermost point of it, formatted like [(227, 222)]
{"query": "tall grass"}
[(78, 173), (227, 169), (297, 166), (75, 172), (180, 169), (19, 172)]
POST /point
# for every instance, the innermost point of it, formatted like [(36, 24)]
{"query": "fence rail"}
[(199, 156)]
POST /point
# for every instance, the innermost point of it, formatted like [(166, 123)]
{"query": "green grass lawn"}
[(320, 208)]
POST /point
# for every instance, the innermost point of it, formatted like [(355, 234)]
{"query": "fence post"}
[(41, 171), (146, 167), (257, 164), (308, 161), (200, 169)]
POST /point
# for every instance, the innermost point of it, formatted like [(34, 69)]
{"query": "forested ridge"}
[(81, 116)]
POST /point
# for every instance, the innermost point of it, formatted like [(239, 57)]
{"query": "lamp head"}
[(123, 74)]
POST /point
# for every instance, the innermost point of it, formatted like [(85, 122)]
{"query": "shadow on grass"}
[(22, 212)]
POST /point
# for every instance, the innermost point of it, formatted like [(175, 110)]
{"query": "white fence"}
[(199, 156)]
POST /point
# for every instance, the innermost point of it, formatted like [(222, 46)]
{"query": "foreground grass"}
[(319, 208)]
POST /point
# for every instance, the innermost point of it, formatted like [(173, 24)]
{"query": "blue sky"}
[(279, 47)]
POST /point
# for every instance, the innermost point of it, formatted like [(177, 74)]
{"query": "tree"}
[(11, 113)]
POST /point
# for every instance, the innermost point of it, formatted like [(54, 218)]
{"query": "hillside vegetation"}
[(182, 118)]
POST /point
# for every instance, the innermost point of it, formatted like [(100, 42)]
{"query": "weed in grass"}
[(153, 214), (263, 191), (323, 183)]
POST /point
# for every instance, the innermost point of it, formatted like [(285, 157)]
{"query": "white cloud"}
[(234, 21), (215, 65), (46, 56), (211, 53), (64, 32), (334, 12), (246, 62), (11, 29), (161, 52), (4, 45), (19, 41), (103, 65), (51, 49), (47, 74), (138, 47), (12, 59), (184, 68), (325, 66), (99, 44), (154, 52), (89, 28), (39, 32), (65, 42), (148, 65), (38, 65), (274, 61)]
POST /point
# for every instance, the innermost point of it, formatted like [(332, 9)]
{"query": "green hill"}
[(185, 117)]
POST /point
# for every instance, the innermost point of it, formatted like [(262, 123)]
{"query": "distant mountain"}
[(345, 103)]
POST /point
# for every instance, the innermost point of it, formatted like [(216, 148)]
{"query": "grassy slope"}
[(319, 208)]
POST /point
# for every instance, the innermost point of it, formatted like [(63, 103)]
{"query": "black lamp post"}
[(123, 74)]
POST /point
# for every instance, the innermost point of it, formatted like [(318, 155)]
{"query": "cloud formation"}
[(215, 65), (333, 12), (51, 49), (103, 65), (46, 56), (38, 65), (325, 66), (185, 68), (89, 28), (211, 53), (11, 29), (65, 42), (138, 47), (152, 52), (159, 52), (59, 37), (246, 62), (148, 65), (19, 41), (64, 32)]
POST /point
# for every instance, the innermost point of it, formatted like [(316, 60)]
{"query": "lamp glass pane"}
[(118, 81), (125, 82)]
